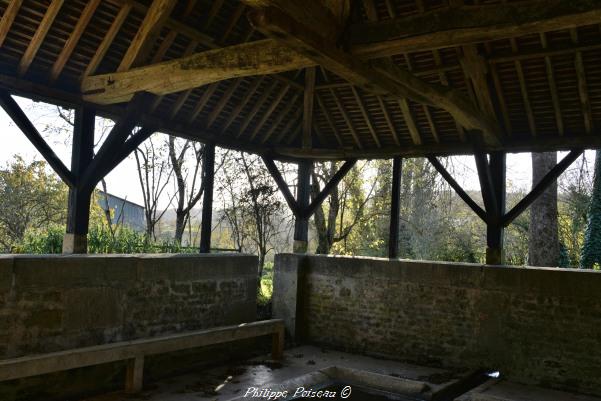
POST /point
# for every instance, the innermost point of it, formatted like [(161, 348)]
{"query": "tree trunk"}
[(543, 246), (591, 249)]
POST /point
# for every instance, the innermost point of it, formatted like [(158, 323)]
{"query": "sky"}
[(123, 180)]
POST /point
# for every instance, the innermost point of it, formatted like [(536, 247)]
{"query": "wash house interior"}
[(301, 82)]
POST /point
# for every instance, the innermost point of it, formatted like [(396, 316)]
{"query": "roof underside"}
[(545, 87)]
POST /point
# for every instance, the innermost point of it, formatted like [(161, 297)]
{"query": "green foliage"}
[(30, 198), (591, 250)]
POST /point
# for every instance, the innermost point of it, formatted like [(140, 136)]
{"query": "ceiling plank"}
[(153, 22), (8, 18), (261, 57), (468, 24), (39, 36), (82, 22)]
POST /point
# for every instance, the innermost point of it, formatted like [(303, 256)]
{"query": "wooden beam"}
[(153, 22), (456, 26), (108, 40), (80, 26), (15, 112), (238, 109), (261, 57), (303, 195), (39, 36), (208, 171), (458, 189), (328, 188), (384, 79), (395, 208), (308, 100), (10, 13), (541, 187), (116, 138), (410, 121), (281, 183), (395, 135), (486, 184)]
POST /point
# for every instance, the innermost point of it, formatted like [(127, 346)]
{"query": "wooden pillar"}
[(395, 208), (78, 211), (494, 227), (301, 225), (208, 167)]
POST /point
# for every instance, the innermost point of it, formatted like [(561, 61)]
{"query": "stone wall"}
[(52, 303), (537, 326)]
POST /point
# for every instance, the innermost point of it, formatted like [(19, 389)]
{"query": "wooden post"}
[(494, 227), (301, 225), (395, 208), (208, 167), (78, 211), (134, 375)]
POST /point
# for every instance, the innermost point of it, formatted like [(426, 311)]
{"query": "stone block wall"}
[(53, 303), (535, 325)]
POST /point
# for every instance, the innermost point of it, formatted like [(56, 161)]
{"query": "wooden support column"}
[(494, 226), (303, 191), (208, 167), (78, 211), (395, 208)]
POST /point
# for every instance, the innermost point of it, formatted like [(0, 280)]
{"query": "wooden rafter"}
[(254, 58), (223, 101), (238, 109), (456, 26), (82, 22), (274, 104), (280, 118), (308, 101), (39, 36), (393, 132), (204, 99), (366, 117), (286, 25), (552, 87), (524, 90), (108, 39), (257, 106), (8, 18), (157, 15), (410, 121), (585, 102), (328, 118)]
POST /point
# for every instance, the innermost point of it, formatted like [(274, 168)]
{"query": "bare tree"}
[(154, 173)]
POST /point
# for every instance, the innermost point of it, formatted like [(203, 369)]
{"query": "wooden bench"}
[(134, 351)]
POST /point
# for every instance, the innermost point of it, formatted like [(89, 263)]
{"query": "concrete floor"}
[(231, 382)]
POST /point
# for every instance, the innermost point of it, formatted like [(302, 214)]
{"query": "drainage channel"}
[(463, 385)]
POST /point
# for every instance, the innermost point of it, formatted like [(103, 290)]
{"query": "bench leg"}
[(135, 375), (277, 346)]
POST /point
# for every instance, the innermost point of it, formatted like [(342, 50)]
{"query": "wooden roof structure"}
[(327, 79)]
